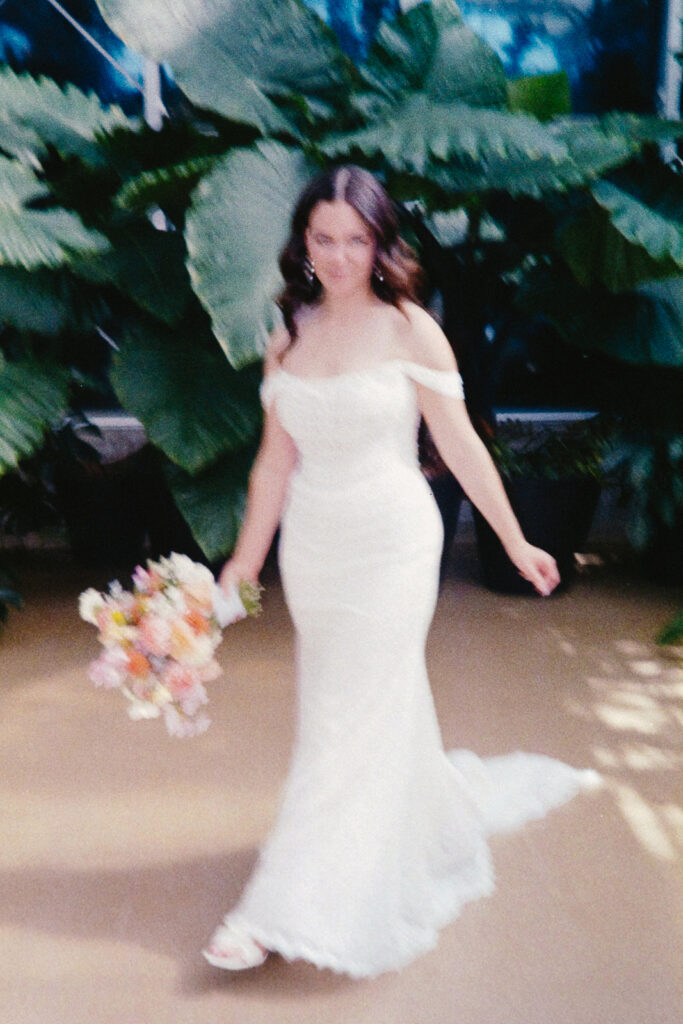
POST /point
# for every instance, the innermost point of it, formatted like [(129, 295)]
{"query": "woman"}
[(381, 836)]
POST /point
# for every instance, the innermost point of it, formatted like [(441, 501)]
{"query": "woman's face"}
[(342, 247)]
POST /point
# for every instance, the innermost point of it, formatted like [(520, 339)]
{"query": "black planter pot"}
[(448, 494), (555, 515), (662, 559)]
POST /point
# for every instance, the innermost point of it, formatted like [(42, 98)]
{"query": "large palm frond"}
[(228, 54), (32, 397), (37, 113), (430, 51), (32, 237)]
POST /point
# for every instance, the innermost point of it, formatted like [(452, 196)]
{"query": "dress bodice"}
[(352, 425)]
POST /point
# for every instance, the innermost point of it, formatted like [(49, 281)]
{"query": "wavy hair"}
[(397, 274)]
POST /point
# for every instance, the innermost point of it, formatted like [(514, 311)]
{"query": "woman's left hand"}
[(536, 566)]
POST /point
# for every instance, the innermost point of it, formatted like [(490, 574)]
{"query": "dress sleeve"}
[(445, 382)]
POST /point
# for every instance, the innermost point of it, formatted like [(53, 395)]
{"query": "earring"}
[(309, 269), (377, 271)]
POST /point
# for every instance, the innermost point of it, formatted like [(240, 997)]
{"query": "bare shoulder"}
[(277, 344), (423, 340)]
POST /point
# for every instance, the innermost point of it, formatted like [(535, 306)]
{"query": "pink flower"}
[(210, 671), (154, 635), (191, 702), (147, 581), (141, 579), (188, 647), (110, 669), (180, 679), (178, 725)]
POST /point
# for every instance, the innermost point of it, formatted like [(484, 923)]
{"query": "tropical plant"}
[(504, 192), (672, 632), (522, 449)]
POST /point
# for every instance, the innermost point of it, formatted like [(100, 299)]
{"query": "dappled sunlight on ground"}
[(635, 706), (122, 846)]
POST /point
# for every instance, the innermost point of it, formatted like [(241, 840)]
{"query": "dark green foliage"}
[(538, 452), (514, 204), (200, 407), (672, 633)]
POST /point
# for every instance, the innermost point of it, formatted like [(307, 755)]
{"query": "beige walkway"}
[(121, 847)]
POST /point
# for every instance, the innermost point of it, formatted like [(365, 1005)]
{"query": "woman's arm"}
[(268, 483), (468, 459)]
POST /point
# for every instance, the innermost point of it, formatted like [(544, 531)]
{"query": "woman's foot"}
[(233, 950)]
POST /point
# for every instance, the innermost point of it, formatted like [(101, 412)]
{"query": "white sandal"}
[(233, 950)]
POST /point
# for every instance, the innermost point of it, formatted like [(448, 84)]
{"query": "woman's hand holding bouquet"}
[(160, 638)]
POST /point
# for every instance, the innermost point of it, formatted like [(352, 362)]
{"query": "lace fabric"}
[(381, 837)]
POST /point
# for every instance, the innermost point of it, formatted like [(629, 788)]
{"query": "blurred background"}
[(532, 149)]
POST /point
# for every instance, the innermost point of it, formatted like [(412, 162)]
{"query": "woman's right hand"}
[(232, 574)]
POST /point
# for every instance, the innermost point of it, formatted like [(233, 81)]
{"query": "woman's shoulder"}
[(278, 343), (422, 339)]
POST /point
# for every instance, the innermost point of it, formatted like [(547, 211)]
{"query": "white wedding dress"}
[(381, 836)]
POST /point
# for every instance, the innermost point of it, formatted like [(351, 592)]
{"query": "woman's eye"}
[(359, 240)]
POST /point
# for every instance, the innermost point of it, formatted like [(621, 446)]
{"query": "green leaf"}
[(598, 254), (672, 633), (638, 127), (33, 396), (235, 231), (207, 49), (151, 187), (430, 51), (193, 405), (32, 238), (213, 502), (648, 215), (145, 264), (34, 300), (461, 149), (644, 326), (543, 96), (36, 112)]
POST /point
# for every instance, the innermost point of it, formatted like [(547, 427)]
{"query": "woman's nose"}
[(339, 255)]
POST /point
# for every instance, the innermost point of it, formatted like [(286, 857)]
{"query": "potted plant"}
[(552, 477)]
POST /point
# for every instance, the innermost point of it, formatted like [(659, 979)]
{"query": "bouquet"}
[(160, 638)]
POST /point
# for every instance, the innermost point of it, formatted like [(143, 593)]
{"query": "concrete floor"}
[(122, 847)]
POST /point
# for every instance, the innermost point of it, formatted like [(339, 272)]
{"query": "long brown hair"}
[(396, 275)]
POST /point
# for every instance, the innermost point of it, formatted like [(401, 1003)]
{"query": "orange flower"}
[(197, 621), (138, 664)]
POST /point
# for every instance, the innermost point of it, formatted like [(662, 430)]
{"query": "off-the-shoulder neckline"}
[(362, 372)]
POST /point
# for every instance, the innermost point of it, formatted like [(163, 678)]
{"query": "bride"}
[(381, 835)]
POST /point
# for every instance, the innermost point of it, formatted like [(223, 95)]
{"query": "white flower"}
[(89, 604), (140, 709), (176, 600), (227, 608), (110, 669)]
